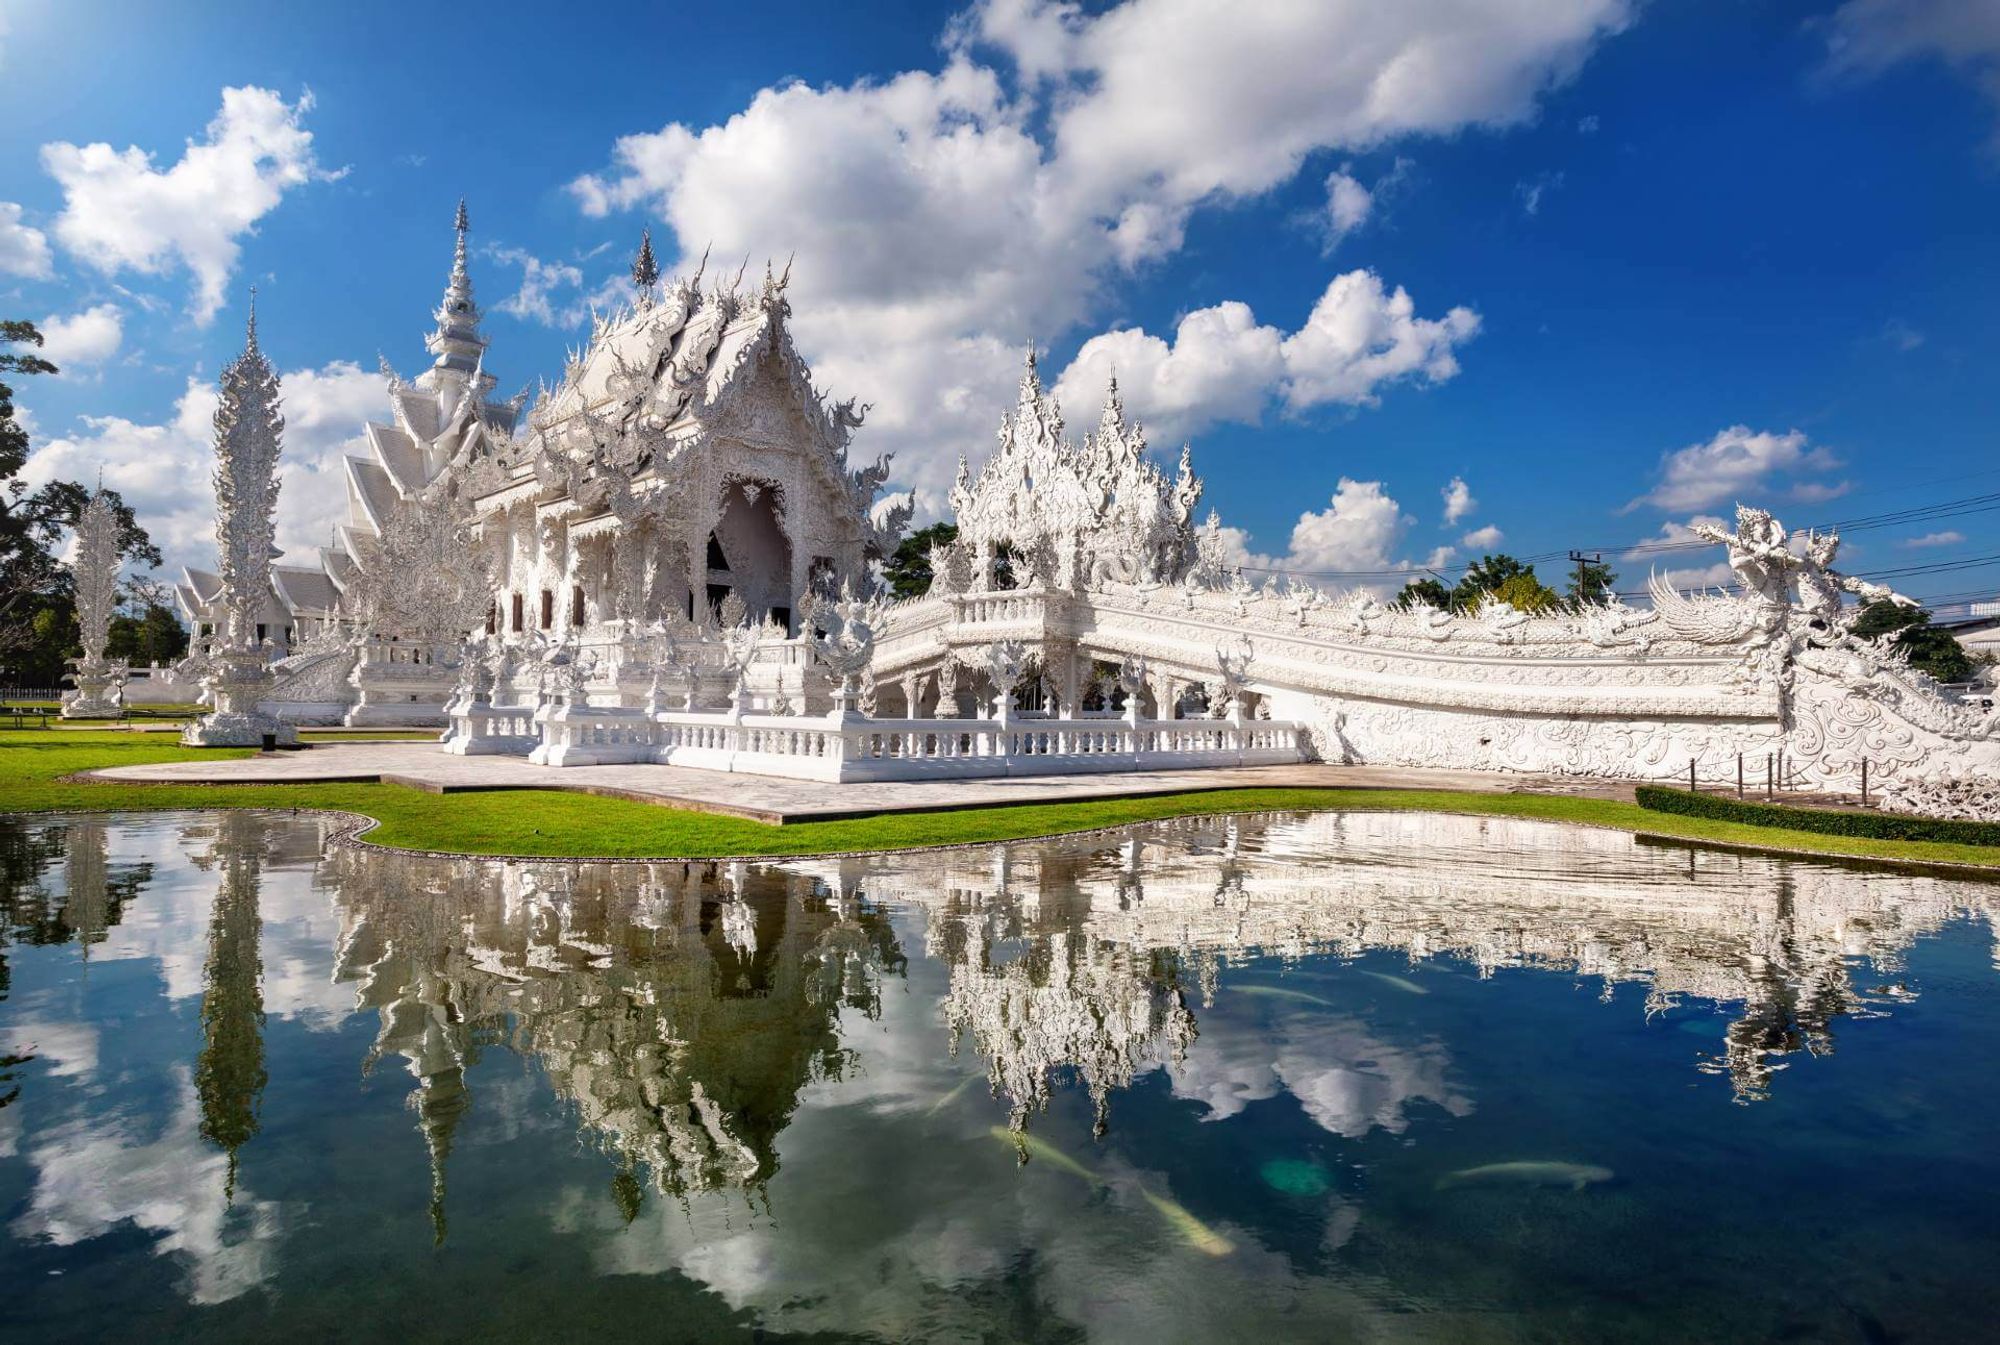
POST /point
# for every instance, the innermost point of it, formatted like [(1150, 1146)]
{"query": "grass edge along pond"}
[(563, 824)]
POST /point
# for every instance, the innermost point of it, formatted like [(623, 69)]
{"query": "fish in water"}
[(1399, 982), (1048, 1153), (952, 1096), (1197, 1234), (1576, 1176), (1296, 1177), (1279, 992)]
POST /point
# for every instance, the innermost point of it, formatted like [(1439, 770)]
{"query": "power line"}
[(1942, 510)]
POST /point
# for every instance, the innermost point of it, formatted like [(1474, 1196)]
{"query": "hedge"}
[(1827, 821)]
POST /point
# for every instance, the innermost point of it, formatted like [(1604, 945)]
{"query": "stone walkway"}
[(762, 798)]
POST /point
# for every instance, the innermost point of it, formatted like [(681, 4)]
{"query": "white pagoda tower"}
[(99, 681), (249, 434)]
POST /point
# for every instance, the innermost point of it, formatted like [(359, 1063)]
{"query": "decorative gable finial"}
[(250, 326), (1031, 378), (645, 271)]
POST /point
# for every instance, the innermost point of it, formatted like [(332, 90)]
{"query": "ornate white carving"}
[(100, 682), (248, 438)]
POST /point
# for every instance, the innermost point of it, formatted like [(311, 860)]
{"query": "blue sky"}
[(1608, 266)]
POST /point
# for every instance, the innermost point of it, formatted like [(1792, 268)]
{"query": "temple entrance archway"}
[(751, 537)]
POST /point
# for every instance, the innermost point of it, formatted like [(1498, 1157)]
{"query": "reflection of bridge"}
[(1776, 938)]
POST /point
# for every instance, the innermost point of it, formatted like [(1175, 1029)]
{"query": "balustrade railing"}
[(855, 747)]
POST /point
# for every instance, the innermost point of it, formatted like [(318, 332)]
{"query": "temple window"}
[(548, 608), (716, 560), (576, 617), (518, 622), (493, 617)]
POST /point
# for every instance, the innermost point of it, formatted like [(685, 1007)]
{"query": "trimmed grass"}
[(560, 824)]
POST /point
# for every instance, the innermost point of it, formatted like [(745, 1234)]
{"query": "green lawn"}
[(558, 823)]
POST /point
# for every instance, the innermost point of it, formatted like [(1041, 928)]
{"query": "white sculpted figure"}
[(848, 642)]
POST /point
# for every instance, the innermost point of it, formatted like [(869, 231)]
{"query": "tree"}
[(1909, 629), (908, 569), (1503, 577), (1526, 593), (37, 623), (1425, 590)]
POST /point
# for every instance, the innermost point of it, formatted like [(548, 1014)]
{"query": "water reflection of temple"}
[(1075, 955), (680, 1008), (81, 908)]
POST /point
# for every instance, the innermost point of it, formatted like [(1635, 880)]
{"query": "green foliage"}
[(35, 617), (1824, 821), (908, 568), (1527, 593), (1425, 590), (1499, 576), (1928, 649), (154, 636)]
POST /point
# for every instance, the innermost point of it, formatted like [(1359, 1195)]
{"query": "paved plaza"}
[(421, 765)]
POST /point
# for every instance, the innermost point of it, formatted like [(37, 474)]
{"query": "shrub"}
[(1826, 821)]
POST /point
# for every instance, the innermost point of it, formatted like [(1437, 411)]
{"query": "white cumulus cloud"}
[(1685, 561), (1224, 365), (1483, 539), (83, 339), (24, 250), (1458, 501), (1949, 537), (122, 212), (163, 468), (942, 218), (1739, 460), (1348, 205)]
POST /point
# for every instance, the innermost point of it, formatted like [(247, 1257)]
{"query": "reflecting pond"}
[(1294, 1077)]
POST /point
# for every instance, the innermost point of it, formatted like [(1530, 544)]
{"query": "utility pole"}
[(1578, 559)]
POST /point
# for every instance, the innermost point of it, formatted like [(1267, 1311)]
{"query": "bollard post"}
[(1770, 776), (1739, 775), (1691, 784), (1864, 782)]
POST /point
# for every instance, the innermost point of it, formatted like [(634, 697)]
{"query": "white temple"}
[(668, 559)]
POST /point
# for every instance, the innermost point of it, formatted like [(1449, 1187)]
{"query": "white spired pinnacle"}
[(94, 576), (249, 434), (94, 573)]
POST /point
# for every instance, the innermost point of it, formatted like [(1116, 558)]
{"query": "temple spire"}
[(457, 341), (645, 271)]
